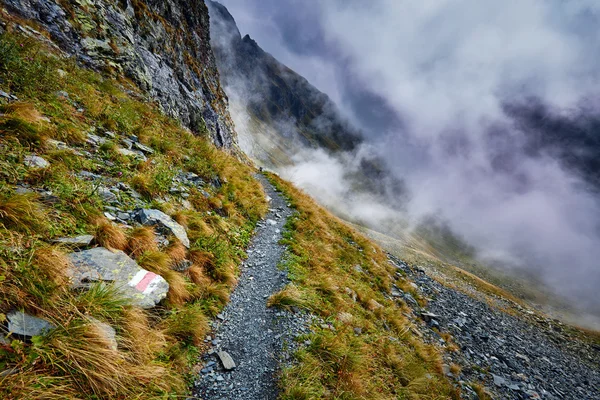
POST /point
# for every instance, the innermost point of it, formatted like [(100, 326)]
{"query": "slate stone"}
[(107, 196), (144, 288), (498, 380), (226, 360), (164, 223), (76, 241), (131, 153), (143, 148), (26, 326), (94, 140), (35, 162)]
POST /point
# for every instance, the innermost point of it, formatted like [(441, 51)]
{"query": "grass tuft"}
[(109, 235), (23, 213), (141, 239), (286, 298)]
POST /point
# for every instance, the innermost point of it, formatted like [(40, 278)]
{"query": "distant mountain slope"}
[(282, 105), (574, 139)]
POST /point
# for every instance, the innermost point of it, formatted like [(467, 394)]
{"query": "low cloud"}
[(445, 72)]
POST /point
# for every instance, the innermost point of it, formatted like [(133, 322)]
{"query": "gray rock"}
[(498, 380), (143, 148), (164, 223), (62, 94), (427, 316), (410, 299), (95, 140), (35, 162), (26, 326), (358, 268), (107, 196), (226, 360), (56, 144), (131, 153), (183, 266), (123, 216), (128, 144), (88, 175), (144, 288), (77, 241), (109, 134)]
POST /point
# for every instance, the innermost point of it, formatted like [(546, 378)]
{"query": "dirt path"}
[(247, 330)]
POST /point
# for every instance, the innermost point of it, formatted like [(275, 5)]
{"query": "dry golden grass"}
[(176, 251), (178, 293), (286, 298), (342, 364), (197, 276), (155, 261), (140, 240), (109, 235), (189, 325), (53, 263), (23, 213), (155, 349), (25, 111)]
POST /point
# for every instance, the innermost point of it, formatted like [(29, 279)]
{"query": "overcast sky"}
[(427, 81)]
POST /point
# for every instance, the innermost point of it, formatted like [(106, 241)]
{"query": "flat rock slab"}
[(226, 360), (35, 162), (144, 288), (27, 326), (76, 241), (164, 223)]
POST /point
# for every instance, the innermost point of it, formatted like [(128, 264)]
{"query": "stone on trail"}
[(25, 325), (164, 223), (144, 288), (226, 360)]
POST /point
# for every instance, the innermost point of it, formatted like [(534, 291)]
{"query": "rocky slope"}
[(514, 352), (280, 102), (163, 46)]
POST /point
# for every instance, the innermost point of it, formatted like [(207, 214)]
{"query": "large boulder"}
[(164, 223), (144, 288), (26, 326)]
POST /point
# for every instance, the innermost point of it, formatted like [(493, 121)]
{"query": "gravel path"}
[(529, 357), (252, 334)]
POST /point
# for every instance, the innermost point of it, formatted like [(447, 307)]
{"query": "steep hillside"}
[(285, 110), (163, 46), (120, 231)]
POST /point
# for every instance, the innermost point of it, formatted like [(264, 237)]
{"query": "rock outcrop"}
[(144, 288), (164, 46), (276, 98)]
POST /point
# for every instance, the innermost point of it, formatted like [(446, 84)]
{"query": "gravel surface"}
[(526, 357), (256, 337)]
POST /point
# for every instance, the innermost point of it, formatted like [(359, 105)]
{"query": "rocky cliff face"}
[(275, 97), (162, 45)]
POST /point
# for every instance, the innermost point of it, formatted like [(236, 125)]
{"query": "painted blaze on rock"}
[(145, 288)]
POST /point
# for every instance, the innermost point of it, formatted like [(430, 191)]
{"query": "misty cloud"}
[(446, 70)]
